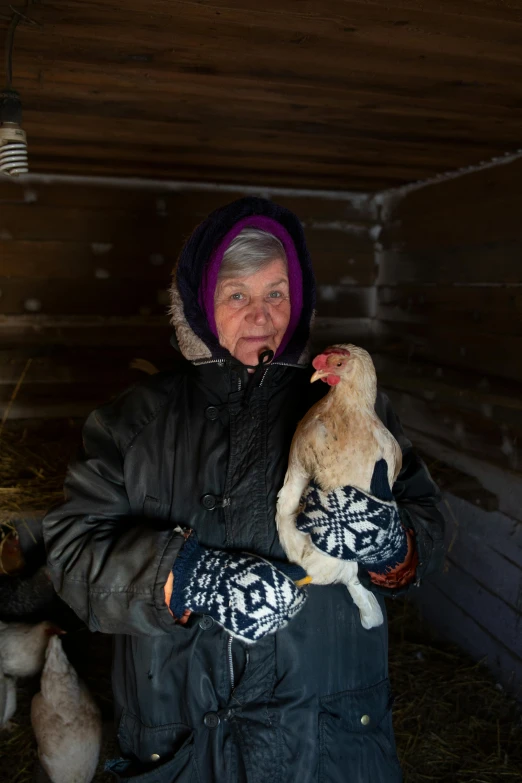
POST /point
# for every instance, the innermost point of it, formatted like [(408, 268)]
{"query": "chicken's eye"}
[(339, 364)]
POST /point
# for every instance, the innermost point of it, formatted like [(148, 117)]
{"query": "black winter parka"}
[(199, 446)]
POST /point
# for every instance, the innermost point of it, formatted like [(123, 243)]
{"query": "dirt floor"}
[(453, 722)]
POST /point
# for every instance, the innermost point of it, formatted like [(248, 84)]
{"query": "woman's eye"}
[(237, 297), (275, 295)]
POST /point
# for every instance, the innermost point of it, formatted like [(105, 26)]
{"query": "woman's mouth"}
[(264, 338)]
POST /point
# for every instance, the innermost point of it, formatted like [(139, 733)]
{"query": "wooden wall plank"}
[(87, 196), (476, 601), (495, 309), (124, 260), (473, 527), (472, 433), (458, 626), (490, 263), (38, 222), (482, 562), (104, 297), (34, 395), (341, 256), (499, 618), (440, 343), (345, 301), (60, 364), (470, 390), (478, 208), (21, 331)]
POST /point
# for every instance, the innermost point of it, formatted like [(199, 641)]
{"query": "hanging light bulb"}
[(13, 141)]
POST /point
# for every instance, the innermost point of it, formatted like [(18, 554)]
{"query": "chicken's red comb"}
[(319, 363)]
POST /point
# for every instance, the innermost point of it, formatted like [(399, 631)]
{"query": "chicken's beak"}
[(318, 374)]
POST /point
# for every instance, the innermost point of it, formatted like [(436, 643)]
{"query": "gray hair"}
[(249, 252)]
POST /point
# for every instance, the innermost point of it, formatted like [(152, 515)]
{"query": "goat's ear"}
[(380, 486)]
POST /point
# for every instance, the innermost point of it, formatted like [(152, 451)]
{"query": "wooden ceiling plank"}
[(328, 60), (314, 121), (163, 141), (325, 17)]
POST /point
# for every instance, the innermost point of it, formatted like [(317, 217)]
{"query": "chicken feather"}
[(7, 699), (66, 721), (22, 647)]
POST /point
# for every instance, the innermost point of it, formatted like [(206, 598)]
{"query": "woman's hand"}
[(168, 594), (350, 524), (244, 593)]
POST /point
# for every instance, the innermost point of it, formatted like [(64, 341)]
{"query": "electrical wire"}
[(9, 41), (17, 16)]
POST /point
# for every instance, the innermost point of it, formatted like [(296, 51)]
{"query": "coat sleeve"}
[(417, 497), (110, 566)]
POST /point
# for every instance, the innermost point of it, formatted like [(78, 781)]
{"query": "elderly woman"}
[(224, 669)]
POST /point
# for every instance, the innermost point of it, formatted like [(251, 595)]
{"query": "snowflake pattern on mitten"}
[(247, 595), (352, 525)]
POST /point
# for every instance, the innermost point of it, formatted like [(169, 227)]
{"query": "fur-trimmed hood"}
[(195, 339)]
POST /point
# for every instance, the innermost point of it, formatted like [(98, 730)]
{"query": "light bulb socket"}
[(10, 107)]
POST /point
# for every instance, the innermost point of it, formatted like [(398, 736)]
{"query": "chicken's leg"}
[(366, 602), (293, 541)]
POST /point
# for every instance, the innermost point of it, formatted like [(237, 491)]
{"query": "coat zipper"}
[(208, 361), (263, 378), (231, 663)]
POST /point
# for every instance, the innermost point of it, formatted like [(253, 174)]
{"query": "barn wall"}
[(449, 294), (84, 272), (449, 300), (426, 279)]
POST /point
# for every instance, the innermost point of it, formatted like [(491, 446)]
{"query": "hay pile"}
[(453, 723), (33, 458)]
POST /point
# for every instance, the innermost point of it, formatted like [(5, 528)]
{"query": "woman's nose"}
[(258, 313)]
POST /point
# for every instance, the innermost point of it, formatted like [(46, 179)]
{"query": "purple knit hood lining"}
[(295, 277)]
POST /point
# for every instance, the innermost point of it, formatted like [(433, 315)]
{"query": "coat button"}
[(365, 720), (209, 502), (155, 757), (211, 412), (206, 622), (211, 720)]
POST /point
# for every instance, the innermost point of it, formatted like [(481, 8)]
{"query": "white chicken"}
[(22, 647), (337, 443), (7, 699), (66, 721)]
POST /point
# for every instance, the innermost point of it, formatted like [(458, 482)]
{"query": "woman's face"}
[(253, 312)]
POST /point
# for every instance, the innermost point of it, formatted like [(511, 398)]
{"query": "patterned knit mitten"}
[(354, 525), (247, 595)]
